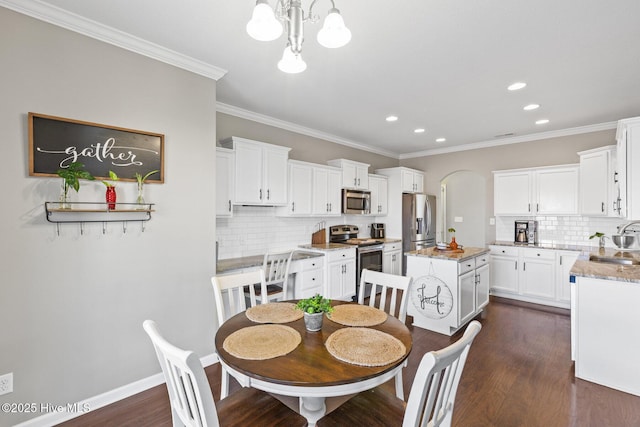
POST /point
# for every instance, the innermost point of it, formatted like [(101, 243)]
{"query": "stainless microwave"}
[(356, 202)]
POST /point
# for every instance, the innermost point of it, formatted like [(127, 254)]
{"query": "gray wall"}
[(303, 147), (72, 306)]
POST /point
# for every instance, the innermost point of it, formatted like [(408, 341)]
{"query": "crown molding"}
[(271, 121), (70, 21), (513, 140)]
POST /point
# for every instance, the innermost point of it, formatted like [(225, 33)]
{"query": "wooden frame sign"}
[(55, 143)]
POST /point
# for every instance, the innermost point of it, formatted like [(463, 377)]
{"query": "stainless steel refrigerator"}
[(418, 223)]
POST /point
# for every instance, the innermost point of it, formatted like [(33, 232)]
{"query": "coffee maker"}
[(526, 232), (377, 230)]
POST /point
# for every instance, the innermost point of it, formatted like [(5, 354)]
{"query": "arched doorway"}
[(463, 198)]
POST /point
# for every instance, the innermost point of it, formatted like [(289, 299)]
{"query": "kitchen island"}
[(449, 288), (604, 319)]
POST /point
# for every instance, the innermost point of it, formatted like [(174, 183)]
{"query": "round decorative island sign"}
[(431, 297)]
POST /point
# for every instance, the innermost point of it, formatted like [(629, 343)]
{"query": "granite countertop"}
[(231, 264), (467, 252), (326, 246), (547, 245), (609, 271)]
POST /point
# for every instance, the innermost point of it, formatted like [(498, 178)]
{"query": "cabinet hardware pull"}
[(602, 206), (524, 266), (261, 194), (268, 194), (355, 181), (293, 206), (229, 205), (516, 265), (529, 207), (560, 259), (615, 177)]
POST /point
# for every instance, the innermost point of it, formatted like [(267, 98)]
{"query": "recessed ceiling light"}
[(441, 139), (531, 107), (516, 86), (391, 118), (542, 121), (419, 130)]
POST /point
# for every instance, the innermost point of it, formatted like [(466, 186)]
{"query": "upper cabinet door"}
[(597, 184), (275, 177), (261, 172), (300, 189), (512, 193), (224, 182), (355, 175), (557, 191), (248, 174)]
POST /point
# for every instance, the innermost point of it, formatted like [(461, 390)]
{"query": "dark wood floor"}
[(518, 373)]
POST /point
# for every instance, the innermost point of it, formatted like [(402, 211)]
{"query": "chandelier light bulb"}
[(334, 33), (291, 63), (263, 25)]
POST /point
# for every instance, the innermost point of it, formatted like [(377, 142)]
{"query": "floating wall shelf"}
[(83, 212)]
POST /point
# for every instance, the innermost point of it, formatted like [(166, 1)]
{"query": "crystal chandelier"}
[(265, 25)]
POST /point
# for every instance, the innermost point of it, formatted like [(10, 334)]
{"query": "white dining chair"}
[(276, 275), (391, 286), (191, 399), (230, 294), (431, 399)]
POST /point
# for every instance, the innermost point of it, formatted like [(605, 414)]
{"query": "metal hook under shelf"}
[(104, 227), (82, 228), (124, 227)]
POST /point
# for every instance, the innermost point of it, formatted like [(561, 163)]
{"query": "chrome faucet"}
[(623, 228)]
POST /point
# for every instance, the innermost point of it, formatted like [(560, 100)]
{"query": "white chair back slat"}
[(191, 399), (434, 388)]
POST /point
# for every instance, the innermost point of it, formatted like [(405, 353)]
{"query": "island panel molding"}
[(56, 142)]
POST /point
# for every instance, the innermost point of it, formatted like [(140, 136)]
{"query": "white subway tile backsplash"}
[(571, 230), (257, 230)]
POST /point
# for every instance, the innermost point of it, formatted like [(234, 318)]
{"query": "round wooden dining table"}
[(310, 372)]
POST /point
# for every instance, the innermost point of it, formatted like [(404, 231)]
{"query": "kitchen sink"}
[(614, 260)]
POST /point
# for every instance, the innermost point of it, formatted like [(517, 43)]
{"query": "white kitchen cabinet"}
[(557, 190), (538, 191), (341, 274), (355, 175), (378, 185), (327, 191), (412, 181), (532, 274), (597, 182), (309, 277), (300, 190), (537, 276), (564, 262), (392, 258), (628, 168), (224, 182), (447, 293), (504, 269), (260, 172)]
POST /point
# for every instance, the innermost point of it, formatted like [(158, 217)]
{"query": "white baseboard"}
[(104, 399)]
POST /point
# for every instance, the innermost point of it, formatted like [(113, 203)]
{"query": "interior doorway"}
[(463, 198)]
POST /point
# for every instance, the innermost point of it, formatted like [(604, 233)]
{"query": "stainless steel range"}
[(368, 251)]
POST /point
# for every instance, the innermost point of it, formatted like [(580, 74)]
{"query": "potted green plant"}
[(110, 195), (71, 177), (601, 237), (314, 309), (141, 179)]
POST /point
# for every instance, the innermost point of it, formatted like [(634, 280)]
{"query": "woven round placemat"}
[(262, 342), (357, 315), (364, 346), (277, 312)]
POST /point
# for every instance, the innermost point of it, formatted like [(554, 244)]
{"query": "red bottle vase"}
[(111, 197)]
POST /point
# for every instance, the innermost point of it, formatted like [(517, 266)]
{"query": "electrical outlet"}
[(6, 383)]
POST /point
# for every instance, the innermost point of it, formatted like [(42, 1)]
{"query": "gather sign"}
[(56, 142)]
